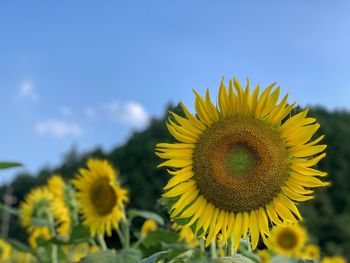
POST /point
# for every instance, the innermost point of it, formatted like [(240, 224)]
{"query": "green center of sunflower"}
[(103, 196), (42, 210), (240, 161), (287, 239), (240, 164)]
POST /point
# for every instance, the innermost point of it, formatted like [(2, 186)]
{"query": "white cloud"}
[(90, 112), (27, 91), (131, 113), (58, 128), (66, 111)]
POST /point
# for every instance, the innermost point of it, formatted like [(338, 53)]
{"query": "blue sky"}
[(88, 73)]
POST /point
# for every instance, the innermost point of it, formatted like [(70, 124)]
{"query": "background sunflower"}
[(101, 198)]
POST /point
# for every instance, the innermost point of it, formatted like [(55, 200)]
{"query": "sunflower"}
[(56, 185), (264, 256), (101, 198), (148, 226), (288, 239), (5, 251), (241, 164), (334, 259), (312, 251), (41, 205)]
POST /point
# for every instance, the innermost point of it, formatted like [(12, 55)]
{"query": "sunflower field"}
[(245, 178)]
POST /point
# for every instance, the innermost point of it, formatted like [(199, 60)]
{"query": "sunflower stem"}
[(51, 221), (127, 234), (54, 253), (101, 241), (213, 249), (121, 236), (249, 242), (230, 250), (202, 245)]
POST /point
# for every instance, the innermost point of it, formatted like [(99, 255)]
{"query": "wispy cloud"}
[(27, 91), (90, 112), (58, 128), (131, 113), (66, 111)]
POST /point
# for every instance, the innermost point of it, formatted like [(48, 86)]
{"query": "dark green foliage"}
[(327, 217)]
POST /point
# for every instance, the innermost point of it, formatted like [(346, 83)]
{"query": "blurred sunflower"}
[(287, 240), (101, 198), (41, 205), (186, 235), (312, 251), (39, 232), (77, 252), (236, 166), (56, 185), (148, 226), (334, 259), (5, 251), (264, 256)]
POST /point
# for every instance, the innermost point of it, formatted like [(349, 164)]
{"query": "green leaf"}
[(80, 233), (145, 214), (155, 238), (107, 256), (12, 211), (183, 257), (235, 259), (129, 255), (6, 165), (155, 257)]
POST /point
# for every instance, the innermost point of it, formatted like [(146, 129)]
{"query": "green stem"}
[(127, 234), (230, 249), (213, 249), (54, 257), (202, 245), (126, 231), (249, 242), (121, 236), (101, 241)]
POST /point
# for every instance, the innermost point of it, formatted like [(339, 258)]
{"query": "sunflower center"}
[(103, 196), (41, 209), (240, 164), (240, 161), (287, 239)]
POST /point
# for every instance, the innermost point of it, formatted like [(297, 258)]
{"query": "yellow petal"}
[(180, 189), (237, 231), (178, 179), (254, 229), (273, 215)]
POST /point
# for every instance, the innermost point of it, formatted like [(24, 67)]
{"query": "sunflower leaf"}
[(107, 256), (80, 233), (155, 257), (145, 214), (6, 165)]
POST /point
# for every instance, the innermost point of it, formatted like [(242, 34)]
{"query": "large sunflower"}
[(239, 165), (101, 198), (41, 205)]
